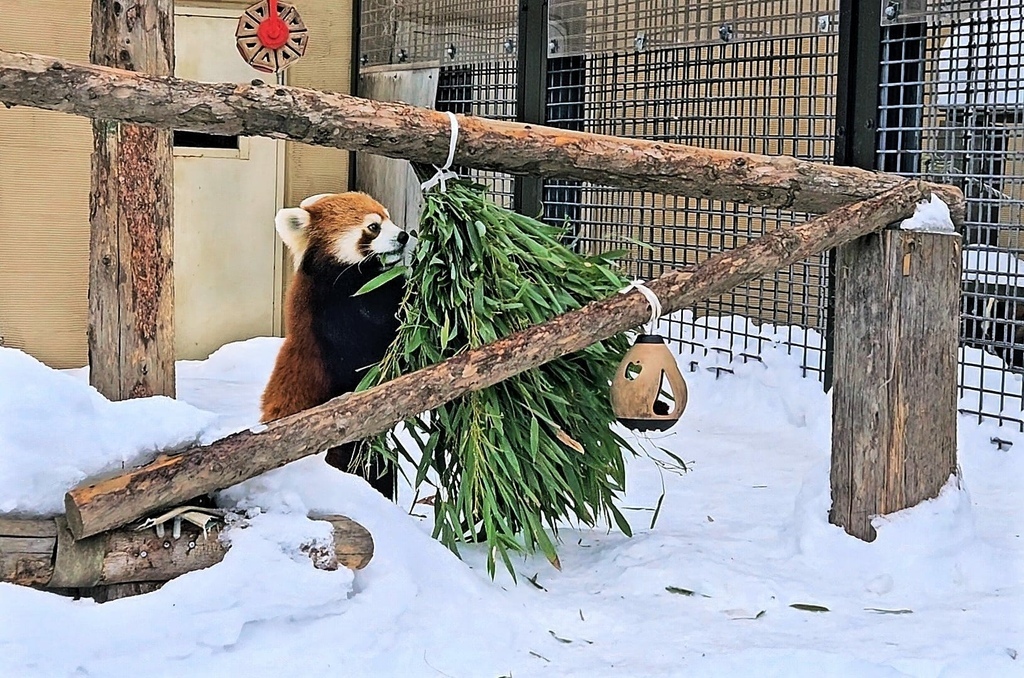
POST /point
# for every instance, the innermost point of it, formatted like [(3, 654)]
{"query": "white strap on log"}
[(651, 297), (444, 173)]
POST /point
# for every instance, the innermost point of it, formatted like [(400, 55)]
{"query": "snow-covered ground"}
[(720, 586)]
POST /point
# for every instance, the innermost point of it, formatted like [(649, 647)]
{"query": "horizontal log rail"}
[(422, 135), (42, 552), (106, 504)]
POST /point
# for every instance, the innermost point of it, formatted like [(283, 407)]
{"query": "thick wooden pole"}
[(897, 314), (110, 503), (131, 286), (421, 135), (43, 553)]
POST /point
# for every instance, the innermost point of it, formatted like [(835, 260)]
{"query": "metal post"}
[(531, 93), (357, 17), (860, 40)]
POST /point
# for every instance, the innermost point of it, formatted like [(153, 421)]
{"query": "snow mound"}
[(930, 216), (394, 618), (57, 431), (742, 574)]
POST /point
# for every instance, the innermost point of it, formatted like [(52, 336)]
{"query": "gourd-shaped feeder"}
[(271, 36), (639, 388)]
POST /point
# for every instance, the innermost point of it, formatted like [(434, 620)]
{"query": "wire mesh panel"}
[(487, 90), (472, 41), (747, 76), (952, 110)]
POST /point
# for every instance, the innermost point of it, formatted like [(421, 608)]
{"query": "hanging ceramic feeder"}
[(271, 36), (639, 388)]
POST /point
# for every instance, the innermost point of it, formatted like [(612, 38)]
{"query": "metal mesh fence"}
[(472, 41), (952, 110), (747, 76), (486, 90)]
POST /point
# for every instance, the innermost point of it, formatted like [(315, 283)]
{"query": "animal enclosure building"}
[(932, 89), (230, 268), (928, 88)]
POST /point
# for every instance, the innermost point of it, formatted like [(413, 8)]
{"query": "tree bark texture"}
[(897, 312), (106, 504), (43, 553), (406, 132), (131, 283)]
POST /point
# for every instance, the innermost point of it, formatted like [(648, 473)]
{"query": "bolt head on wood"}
[(271, 44)]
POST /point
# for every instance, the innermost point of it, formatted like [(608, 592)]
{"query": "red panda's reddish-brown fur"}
[(299, 380), (333, 335)]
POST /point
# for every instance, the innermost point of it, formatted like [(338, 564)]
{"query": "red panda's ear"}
[(292, 224), (313, 199)]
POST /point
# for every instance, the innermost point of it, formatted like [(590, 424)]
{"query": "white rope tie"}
[(651, 297), (444, 173)]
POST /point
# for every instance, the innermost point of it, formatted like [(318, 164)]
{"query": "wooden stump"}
[(131, 283), (894, 400), (42, 553)]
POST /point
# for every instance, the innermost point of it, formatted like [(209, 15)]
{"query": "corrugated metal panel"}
[(327, 65), (44, 197)]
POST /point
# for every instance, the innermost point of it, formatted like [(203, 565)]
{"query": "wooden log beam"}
[(106, 504), (131, 204), (43, 553), (27, 548), (897, 313), (421, 135)]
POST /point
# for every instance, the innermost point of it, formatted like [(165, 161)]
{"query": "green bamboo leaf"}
[(382, 279), (503, 476)]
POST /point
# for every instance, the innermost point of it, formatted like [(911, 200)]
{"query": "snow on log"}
[(406, 132), (171, 480), (43, 553)]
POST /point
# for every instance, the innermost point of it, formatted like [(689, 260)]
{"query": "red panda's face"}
[(349, 227)]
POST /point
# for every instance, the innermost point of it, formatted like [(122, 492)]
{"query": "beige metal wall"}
[(44, 197), (44, 173), (327, 65)]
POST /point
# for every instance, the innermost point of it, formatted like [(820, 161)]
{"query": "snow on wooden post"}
[(131, 283), (894, 400)]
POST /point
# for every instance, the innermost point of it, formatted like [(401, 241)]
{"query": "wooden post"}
[(131, 283), (894, 399)]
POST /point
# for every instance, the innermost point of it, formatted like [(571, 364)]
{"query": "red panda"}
[(338, 243)]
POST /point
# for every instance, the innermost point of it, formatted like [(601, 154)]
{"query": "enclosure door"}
[(227, 256)]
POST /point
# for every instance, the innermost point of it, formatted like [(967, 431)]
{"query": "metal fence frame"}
[(876, 89)]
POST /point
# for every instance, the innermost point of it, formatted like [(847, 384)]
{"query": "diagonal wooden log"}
[(110, 503), (422, 135)]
